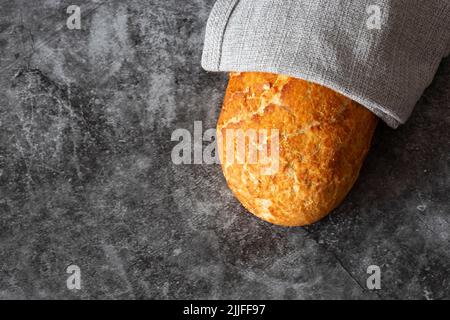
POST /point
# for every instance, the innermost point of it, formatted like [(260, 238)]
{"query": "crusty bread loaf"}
[(323, 140)]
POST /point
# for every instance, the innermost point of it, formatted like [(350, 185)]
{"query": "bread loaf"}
[(323, 138)]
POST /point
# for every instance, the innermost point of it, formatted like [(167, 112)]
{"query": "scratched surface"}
[(86, 176)]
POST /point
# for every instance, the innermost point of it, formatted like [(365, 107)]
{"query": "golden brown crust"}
[(323, 140)]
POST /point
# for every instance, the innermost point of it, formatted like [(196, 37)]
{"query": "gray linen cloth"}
[(380, 53)]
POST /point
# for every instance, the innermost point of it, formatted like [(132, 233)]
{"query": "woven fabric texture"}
[(380, 53)]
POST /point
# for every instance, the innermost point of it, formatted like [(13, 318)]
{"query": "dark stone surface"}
[(86, 177)]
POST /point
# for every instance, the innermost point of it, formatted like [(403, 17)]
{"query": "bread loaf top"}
[(323, 139)]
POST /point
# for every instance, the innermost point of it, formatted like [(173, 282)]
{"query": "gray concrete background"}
[(86, 178)]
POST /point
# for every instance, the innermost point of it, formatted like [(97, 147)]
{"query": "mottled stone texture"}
[(86, 177)]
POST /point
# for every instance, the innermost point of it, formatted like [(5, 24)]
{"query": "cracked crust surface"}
[(323, 140)]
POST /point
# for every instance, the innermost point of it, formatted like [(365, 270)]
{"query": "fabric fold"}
[(380, 53)]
